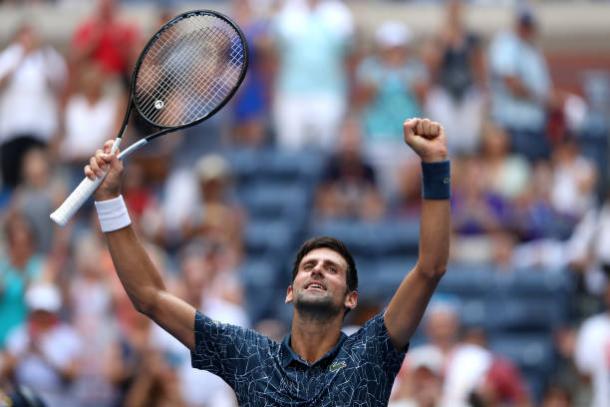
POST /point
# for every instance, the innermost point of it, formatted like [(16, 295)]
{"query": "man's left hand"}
[(426, 138)]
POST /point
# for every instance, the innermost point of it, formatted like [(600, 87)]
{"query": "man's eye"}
[(333, 270)]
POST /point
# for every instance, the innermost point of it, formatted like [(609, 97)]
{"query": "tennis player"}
[(316, 364)]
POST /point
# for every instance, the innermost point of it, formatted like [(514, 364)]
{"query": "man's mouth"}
[(315, 285)]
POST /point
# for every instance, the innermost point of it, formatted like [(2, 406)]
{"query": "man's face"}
[(320, 285)]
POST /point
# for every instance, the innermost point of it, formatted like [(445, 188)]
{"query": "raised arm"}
[(139, 277), (408, 304)]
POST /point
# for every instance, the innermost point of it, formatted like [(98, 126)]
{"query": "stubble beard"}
[(317, 309)]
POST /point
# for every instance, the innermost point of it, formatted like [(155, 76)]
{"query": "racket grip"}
[(77, 198)]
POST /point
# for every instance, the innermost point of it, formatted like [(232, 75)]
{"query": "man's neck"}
[(313, 338)]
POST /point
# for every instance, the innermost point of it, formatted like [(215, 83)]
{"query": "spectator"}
[(464, 365), (592, 352), (574, 181), (91, 303), (37, 196), (253, 98), (520, 87), (557, 396), (206, 287), (210, 286), (567, 384), (471, 372), (105, 39), (32, 76), (155, 385), (457, 99), (141, 199), (19, 267), (43, 353), (533, 215), (392, 86), (19, 397), (349, 186), (218, 219), (312, 38), (503, 384), (588, 249), (420, 382), (506, 174), (480, 216), (92, 116)]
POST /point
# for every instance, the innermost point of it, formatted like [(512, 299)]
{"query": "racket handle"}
[(77, 198)]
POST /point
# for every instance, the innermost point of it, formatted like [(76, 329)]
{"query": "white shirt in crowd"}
[(28, 103), (592, 356), (61, 346), (88, 125), (591, 240), (464, 369), (566, 194)]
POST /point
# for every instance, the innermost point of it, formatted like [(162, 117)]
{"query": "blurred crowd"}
[(527, 191)]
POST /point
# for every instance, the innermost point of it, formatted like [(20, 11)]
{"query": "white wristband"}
[(112, 214)]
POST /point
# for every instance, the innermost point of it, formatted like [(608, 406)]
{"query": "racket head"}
[(189, 69)]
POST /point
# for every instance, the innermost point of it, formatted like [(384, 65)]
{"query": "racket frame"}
[(153, 39), (87, 186)]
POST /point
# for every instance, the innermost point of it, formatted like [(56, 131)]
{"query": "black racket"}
[(186, 73)]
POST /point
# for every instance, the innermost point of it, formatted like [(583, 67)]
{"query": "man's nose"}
[(317, 270)]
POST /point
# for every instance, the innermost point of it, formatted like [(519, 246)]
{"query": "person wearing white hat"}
[(43, 353), (421, 379)]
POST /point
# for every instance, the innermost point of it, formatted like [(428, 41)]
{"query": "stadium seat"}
[(534, 282), (533, 353), (474, 312), (373, 239), (302, 167), (398, 238), (244, 163), (258, 275), (531, 315), (535, 299), (378, 279), (268, 201), (274, 238), (359, 237), (467, 280)]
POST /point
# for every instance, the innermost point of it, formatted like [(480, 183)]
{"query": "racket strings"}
[(206, 86), (189, 70), (169, 84)]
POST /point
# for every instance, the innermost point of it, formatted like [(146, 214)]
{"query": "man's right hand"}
[(101, 162)]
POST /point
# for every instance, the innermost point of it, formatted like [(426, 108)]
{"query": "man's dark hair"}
[(335, 245)]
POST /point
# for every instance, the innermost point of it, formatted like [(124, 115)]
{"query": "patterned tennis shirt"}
[(358, 371)]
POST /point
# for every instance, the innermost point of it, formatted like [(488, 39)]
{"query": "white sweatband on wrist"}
[(112, 214)]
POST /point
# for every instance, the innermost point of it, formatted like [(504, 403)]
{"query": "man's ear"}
[(351, 300), (289, 297)]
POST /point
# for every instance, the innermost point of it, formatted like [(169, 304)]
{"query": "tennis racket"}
[(186, 73)]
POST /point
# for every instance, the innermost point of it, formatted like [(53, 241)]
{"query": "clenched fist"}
[(426, 138), (105, 164)]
